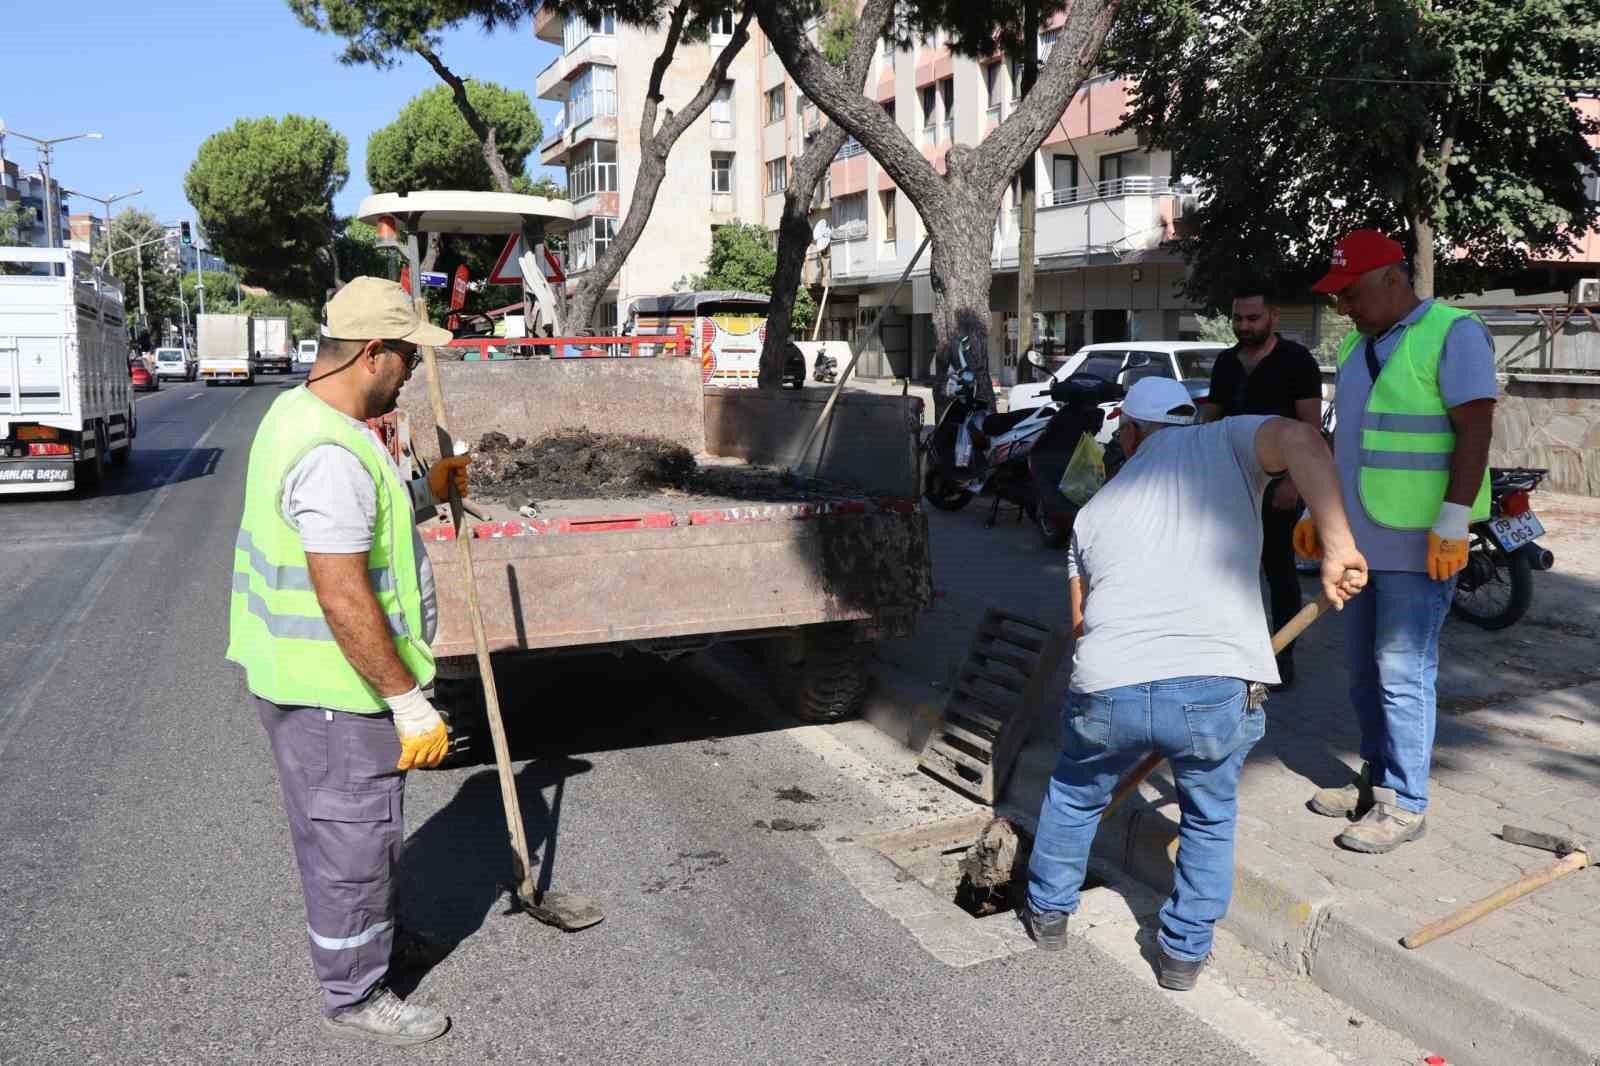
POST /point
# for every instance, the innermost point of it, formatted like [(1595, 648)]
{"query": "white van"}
[(306, 354), (174, 363)]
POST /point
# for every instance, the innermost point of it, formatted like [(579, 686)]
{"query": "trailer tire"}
[(830, 680), (460, 702), (89, 473)]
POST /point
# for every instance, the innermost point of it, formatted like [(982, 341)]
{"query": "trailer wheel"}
[(460, 702), (828, 681)]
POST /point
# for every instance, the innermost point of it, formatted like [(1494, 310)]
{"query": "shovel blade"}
[(564, 910)]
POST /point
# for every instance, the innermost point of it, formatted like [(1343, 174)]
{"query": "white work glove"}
[(424, 741), (1447, 541)]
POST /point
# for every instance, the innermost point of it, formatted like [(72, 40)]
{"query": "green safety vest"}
[(276, 629), (1407, 440)]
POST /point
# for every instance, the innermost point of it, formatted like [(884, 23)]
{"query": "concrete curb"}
[(1475, 1011)]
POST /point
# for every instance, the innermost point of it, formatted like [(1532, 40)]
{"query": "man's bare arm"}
[(359, 626), (1474, 426), (1075, 594), (1284, 443), (1309, 412)]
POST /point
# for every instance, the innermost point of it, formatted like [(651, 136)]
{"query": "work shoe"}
[(1384, 828), (1179, 975), (1349, 801), (1047, 928), (385, 1018)]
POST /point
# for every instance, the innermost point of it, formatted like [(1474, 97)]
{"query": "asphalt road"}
[(149, 909)]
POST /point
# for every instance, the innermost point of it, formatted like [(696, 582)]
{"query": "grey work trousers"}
[(345, 802)]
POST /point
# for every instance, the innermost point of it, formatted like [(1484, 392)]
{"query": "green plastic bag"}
[(1086, 471)]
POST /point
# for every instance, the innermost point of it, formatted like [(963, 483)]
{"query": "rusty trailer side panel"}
[(569, 591)]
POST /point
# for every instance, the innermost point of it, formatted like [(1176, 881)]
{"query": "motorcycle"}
[(826, 369), (1495, 588), (794, 366), (1076, 402)]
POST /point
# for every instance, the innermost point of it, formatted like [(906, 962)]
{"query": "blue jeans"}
[(1202, 726), (1391, 647)]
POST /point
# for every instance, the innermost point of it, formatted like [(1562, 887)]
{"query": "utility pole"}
[(51, 203), (1028, 208), (199, 274)]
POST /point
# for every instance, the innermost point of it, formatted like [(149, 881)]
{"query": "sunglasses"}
[(413, 358)]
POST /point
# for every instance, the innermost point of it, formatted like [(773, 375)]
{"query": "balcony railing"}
[(1144, 185), (850, 149), (996, 112)]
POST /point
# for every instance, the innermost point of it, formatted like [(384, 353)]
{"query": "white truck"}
[(225, 349), (273, 349), (66, 401)]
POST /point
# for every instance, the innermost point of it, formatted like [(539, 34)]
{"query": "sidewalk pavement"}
[(1518, 741)]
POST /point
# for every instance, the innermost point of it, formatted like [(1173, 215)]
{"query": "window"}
[(775, 105), (1015, 70), (1063, 178), (593, 169), (822, 192), (850, 216), (886, 213), (930, 40), (722, 172), (1154, 365), (1047, 41), (594, 93), (889, 50), (1103, 365), (608, 316), (722, 24), (1591, 184), (947, 90), (1120, 165), (574, 31), (930, 126), (777, 175), (722, 111), (589, 241), (992, 86)]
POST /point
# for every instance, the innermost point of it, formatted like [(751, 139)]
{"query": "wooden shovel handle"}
[(1473, 911)]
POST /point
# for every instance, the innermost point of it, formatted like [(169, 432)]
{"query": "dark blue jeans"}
[(1201, 724)]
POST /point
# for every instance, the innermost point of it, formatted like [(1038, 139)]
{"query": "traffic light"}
[(183, 233)]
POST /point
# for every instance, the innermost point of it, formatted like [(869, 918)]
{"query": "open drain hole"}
[(982, 901)]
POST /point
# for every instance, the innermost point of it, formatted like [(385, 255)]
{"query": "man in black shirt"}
[(1265, 374)]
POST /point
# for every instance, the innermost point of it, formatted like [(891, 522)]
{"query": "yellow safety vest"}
[(1407, 439), (276, 629)]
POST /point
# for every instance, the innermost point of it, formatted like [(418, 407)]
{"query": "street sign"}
[(505, 270), (458, 291), (435, 280)]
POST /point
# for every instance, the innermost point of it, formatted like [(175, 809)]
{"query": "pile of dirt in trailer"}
[(578, 464)]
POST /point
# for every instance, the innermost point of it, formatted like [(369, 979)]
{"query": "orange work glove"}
[(1447, 541), (424, 740), (445, 472), (1305, 539)]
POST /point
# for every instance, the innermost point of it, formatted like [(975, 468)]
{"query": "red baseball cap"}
[(1361, 251)]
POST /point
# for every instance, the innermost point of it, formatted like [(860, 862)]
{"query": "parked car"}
[(1125, 362), (142, 378), (174, 363)]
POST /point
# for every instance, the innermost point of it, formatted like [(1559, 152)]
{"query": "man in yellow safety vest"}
[(331, 616), (1415, 406)]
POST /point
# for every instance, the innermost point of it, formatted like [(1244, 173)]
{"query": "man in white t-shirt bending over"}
[(1166, 607)]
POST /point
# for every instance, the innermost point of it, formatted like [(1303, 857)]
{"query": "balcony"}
[(551, 84), (1109, 217), (548, 24)]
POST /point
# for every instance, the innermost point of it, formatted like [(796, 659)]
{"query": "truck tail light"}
[(1514, 504), (49, 449), (38, 433)]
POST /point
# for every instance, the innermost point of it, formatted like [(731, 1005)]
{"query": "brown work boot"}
[(1383, 828), (1348, 801)]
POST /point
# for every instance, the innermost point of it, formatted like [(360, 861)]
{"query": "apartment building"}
[(85, 231), (27, 190)]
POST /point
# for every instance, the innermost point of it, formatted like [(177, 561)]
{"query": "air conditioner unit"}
[(1586, 291)]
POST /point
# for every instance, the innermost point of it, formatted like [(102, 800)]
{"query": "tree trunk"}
[(480, 129), (794, 239), (961, 278), (430, 258), (1028, 207), (655, 142), (1422, 264)]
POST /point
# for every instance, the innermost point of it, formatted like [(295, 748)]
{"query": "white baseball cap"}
[(1163, 400), (370, 309)]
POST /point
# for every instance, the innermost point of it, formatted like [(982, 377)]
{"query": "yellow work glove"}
[(1305, 539), (1447, 541), (424, 741), (446, 471)]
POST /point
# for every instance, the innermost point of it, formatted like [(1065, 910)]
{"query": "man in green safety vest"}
[(331, 616), (1415, 405)]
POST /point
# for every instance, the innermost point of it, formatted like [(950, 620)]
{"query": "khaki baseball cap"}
[(377, 309)]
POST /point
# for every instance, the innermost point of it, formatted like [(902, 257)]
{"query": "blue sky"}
[(158, 78)]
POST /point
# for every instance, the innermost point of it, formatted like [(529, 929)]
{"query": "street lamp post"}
[(45, 143), (107, 201)]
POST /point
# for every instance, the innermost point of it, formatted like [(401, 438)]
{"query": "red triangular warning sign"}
[(506, 271)]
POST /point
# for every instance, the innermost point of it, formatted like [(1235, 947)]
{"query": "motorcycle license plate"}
[(1513, 531)]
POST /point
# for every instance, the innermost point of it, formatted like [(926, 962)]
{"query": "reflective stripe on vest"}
[(277, 630), (1407, 439)]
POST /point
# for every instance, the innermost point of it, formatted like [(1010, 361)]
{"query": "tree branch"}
[(480, 129), (1002, 153), (844, 104), (658, 72), (675, 124)]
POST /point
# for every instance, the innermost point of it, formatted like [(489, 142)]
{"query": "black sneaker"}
[(1047, 928), (1177, 974)]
